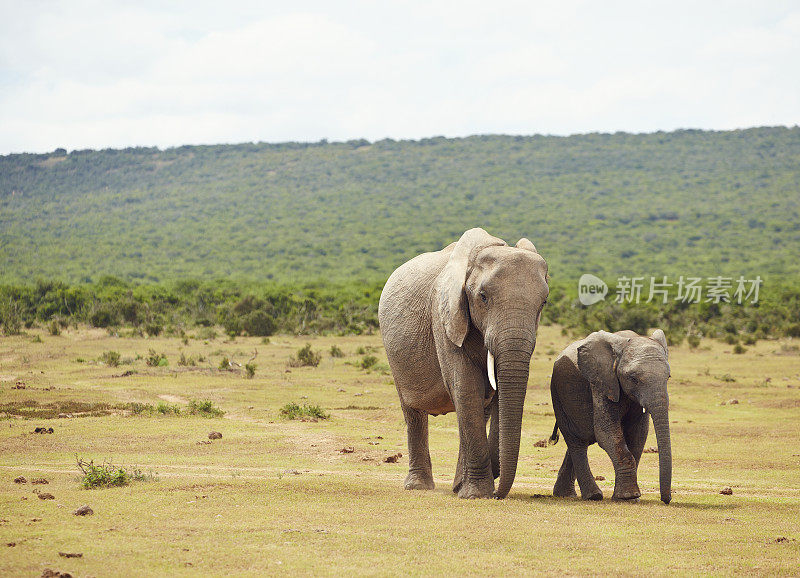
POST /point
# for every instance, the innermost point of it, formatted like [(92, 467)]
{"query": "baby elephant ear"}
[(597, 361), (527, 245), (659, 336)]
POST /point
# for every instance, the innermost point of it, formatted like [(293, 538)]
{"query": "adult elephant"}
[(604, 389), (448, 319)]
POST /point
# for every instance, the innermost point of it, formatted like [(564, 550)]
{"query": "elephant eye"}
[(483, 296)]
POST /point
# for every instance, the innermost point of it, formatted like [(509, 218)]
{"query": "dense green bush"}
[(306, 357)]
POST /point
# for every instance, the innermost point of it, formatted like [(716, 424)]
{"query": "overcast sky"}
[(81, 74)]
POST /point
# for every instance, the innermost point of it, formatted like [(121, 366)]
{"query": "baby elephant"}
[(604, 389)]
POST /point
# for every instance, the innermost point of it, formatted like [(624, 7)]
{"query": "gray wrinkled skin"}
[(440, 313), (604, 389)]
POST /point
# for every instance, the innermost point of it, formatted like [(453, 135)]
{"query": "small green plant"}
[(368, 361), (186, 361), (110, 358), (137, 408), (360, 350), (225, 364), (305, 357), (730, 339), (727, 378), (36, 339), (693, 341), (168, 409), (103, 476), (250, 370), (294, 410), (205, 408), (739, 348), (154, 359), (750, 340), (336, 351)]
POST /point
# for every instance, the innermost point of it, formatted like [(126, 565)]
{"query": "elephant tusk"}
[(490, 369)]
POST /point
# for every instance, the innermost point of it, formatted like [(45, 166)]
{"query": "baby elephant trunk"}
[(660, 412)]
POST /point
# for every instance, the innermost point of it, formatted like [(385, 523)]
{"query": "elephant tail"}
[(553, 438)]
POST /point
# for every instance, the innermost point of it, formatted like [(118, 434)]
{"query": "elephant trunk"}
[(660, 412), (513, 366)]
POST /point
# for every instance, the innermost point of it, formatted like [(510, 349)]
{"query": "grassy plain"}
[(275, 496)]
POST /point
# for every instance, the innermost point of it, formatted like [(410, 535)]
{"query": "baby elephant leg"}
[(580, 465), (565, 483)]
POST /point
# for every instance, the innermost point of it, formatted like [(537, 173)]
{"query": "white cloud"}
[(98, 74)]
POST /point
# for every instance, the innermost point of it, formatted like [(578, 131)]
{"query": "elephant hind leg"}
[(580, 465), (420, 473), (565, 483)]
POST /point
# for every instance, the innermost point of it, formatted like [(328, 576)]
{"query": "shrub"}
[(739, 348), (749, 340), (137, 408), (368, 361), (206, 408), (305, 357), (731, 339), (154, 359), (207, 334), (54, 327), (224, 364), (693, 341), (293, 410), (336, 352), (675, 337), (258, 323), (186, 361), (153, 328), (110, 358), (103, 315), (250, 370), (167, 409), (102, 476), (10, 318)]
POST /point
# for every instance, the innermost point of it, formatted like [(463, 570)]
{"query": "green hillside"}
[(687, 202)]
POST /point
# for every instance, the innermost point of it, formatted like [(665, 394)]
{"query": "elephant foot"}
[(416, 481), (479, 489), (627, 494), (595, 495), (565, 492)]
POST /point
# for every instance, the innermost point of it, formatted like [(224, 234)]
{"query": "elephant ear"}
[(527, 245), (661, 339), (597, 361), (451, 298)]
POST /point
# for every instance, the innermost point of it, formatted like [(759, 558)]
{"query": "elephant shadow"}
[(682, 503)]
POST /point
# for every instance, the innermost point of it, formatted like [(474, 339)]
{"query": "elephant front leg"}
[(489, 412), (625, 465), (420, 473), (636, 426), (474, 477)]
